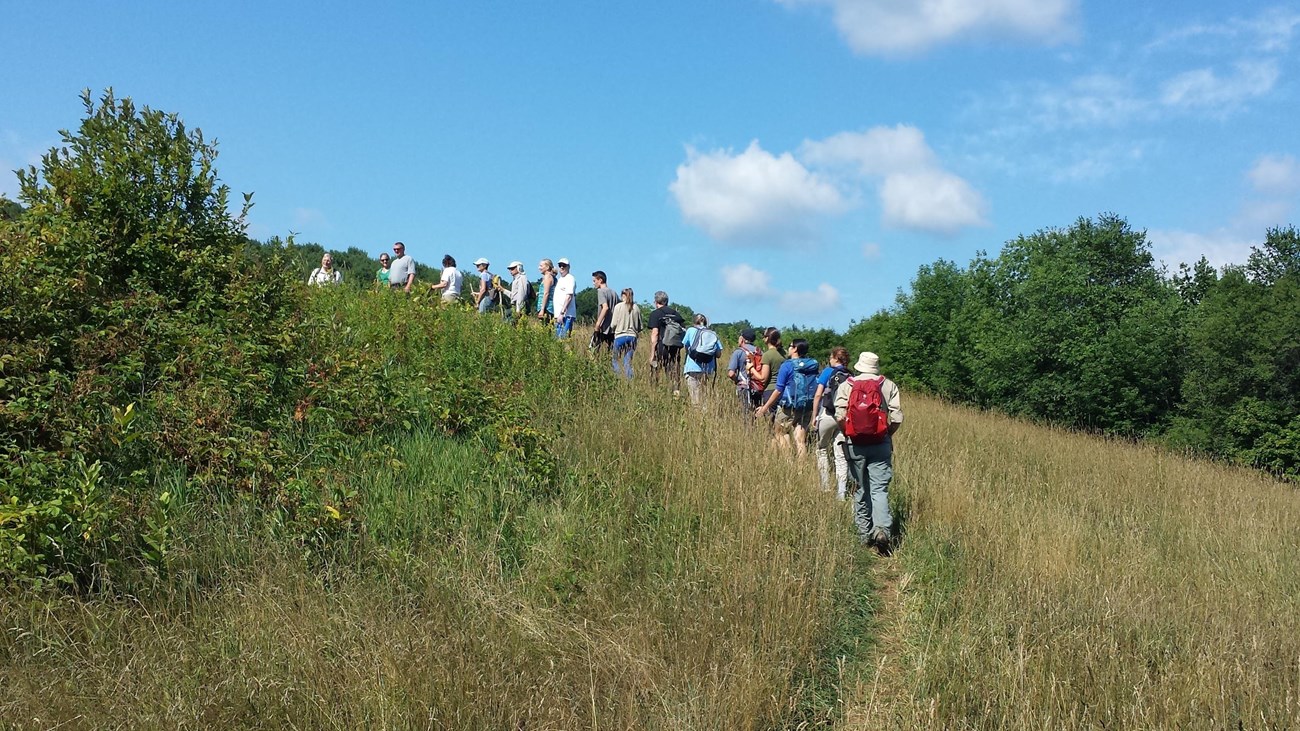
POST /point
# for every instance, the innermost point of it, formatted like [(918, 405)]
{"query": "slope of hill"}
[(1054, 580)]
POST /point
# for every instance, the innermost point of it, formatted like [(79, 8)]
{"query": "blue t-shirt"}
[(824, 380), (691, 366)]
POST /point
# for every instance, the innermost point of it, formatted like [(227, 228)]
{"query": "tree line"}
[(1081, 327)]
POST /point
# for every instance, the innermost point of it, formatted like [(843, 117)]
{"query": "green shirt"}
[(381, 276), (773, 360)]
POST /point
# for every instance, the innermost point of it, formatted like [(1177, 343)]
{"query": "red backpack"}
[(867, 420)]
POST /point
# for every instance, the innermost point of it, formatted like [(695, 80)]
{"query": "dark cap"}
[(748, 334)]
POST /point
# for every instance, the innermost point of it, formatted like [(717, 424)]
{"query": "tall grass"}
[(1055, 580), (673, 572)]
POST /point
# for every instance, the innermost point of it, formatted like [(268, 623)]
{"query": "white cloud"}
[(871, 251), (877, 151), (742, 281), (931, 200), (894, 27), (1275, 178), (1270, 32), (915, 193), (1220, 246), (1278, 174), (1203, 88), (823, 299), (753, 195)]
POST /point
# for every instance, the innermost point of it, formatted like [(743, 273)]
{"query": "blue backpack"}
[(801, 389)]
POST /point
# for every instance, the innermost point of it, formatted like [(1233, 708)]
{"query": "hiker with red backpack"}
[(827, 431), (743, 369), (796, 387), (867, 406)]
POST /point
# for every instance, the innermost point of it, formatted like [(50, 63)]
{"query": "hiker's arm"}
[(771, 401), (895, 408), (842, 401), (817, 400)]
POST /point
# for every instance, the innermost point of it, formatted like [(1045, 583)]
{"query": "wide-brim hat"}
[(868, 363)]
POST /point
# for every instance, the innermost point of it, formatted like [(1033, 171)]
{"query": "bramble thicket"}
[(149, 348)]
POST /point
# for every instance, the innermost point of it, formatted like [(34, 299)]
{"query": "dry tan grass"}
[(711, 627), (1056, 580)]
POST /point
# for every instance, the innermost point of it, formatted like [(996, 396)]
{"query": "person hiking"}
[(769, 364), (381, 276), (401, 273), (742, 369), (519, 285), (870, 411), (602, 335), (827, 433), (325, 274), (566, 300), (702, 350), (796, 385), (449, 283), (667, 330), (546, 292), (485, 297), (627, 326)]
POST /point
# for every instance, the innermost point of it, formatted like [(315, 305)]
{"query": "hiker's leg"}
[(841, 464), (880, 472), (695, 382), (862, 502)]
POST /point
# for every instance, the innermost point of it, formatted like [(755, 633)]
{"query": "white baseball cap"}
[(482, 261), (562, 262), (516, 265)]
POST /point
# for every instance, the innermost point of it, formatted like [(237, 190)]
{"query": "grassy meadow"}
[(1056, 580), (651, 567), (625, 561)]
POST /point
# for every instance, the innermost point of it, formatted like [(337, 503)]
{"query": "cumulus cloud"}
[(742, 281), (1203, 88), (891, 27), (915, 192), (1276, 174), (931, 200), (877, 151), (752, 195), (871, 251)]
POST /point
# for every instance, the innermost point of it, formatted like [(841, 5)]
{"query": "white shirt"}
[(321, 277), (519, 291), (452, 277), (566, 286)]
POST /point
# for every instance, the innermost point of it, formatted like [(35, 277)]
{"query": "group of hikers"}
[(850, 414)]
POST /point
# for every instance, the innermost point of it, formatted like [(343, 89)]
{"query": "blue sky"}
[(780, 160)]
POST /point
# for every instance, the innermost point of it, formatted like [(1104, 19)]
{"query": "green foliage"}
[(1241, 394)]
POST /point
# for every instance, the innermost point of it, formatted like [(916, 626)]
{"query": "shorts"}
[(787, 419)]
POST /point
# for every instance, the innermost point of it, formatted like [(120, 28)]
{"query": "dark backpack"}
[(704, 347), (673, 332), (802, 388), (828, 397), (867, 420)]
